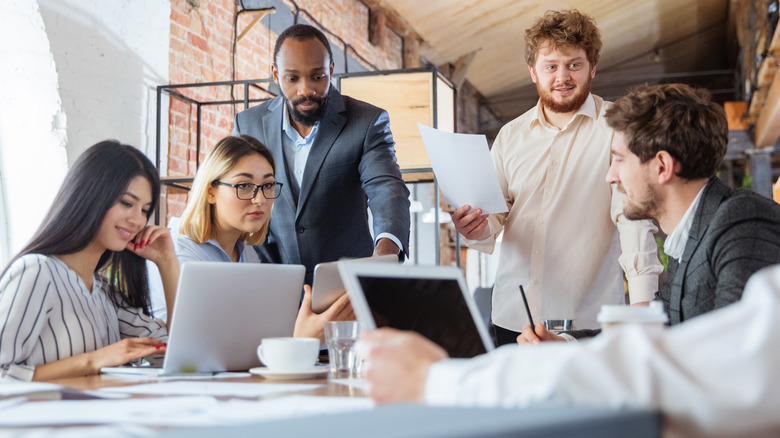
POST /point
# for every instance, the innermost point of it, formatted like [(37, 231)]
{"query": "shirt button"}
[(548, 193), (541, 221), (299, 172), (300, 229), (555, 163), (536, 282), (537, 252)]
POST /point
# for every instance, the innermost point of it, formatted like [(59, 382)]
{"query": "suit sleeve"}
[(746, 242), (380, 177)]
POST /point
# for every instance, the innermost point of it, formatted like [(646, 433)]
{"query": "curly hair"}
[(563, 29), (675, 118)]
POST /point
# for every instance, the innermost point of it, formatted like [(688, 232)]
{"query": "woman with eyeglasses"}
[(76, 297), (228, 211)]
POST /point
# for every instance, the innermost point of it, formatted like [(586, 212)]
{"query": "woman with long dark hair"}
[(76, 297)]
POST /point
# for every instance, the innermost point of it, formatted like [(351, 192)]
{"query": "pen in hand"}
[(528, 311)]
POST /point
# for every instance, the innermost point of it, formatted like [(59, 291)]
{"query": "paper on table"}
[(212, 388), (464, 170), (16, 387), (175, 411), (171, 411)]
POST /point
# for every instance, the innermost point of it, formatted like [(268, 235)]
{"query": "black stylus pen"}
[(528, 311)]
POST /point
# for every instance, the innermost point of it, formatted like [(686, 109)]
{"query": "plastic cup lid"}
[(619, 313)]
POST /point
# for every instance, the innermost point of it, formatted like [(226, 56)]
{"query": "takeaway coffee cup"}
[(614, 315), (289, 355)]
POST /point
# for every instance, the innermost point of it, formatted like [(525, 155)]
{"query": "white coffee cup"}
[(613, 315), (291, 355)]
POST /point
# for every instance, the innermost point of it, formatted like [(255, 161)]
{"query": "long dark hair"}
[(92, 186)]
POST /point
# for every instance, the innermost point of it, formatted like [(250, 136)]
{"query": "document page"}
[(464, 170)]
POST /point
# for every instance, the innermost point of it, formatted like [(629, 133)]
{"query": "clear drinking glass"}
[(341, 336)]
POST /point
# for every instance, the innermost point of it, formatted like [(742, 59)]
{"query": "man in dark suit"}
[(335, 156), (669, 144)]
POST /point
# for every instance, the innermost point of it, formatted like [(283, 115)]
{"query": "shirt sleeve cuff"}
[(441, 386), (642, 288), (391, 237), (19, 372)]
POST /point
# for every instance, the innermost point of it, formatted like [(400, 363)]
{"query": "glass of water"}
[(341, 336)]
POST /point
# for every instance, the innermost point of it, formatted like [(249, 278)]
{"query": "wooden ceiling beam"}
[(768, 124)]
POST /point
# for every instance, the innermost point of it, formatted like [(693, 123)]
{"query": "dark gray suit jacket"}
[(351, 166), (733, 235)]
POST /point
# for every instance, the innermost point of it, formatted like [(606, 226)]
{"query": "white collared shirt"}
[(674, 246), (560, 236), (298, 145)]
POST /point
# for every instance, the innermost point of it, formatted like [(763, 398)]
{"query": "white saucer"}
[(315, 371)]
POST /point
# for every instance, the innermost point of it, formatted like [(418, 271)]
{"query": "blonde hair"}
[(197, 220)]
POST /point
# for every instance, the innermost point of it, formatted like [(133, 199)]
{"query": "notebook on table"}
[(222, 312), (431, 300)]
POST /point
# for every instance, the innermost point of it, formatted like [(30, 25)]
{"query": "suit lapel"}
[(332, 123), (272, 130), (708, 206)]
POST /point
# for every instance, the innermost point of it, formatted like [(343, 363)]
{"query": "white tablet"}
[(431, 300), (328, 287)]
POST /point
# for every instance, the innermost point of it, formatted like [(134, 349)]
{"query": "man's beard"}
[(645, 208), (308, 118), (573, 103)]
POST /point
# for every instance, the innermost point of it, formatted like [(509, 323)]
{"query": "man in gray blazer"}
[(335, 156), (669, 144)]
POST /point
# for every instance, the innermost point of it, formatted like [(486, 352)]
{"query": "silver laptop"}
[(222, 311), (431, 300), (328, 287)]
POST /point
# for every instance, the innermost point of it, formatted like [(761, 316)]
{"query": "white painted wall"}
[(93, 63), (32, 125), (110, 56)]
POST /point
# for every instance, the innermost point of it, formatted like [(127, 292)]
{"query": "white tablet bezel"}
[(351, 271), (327, 286)]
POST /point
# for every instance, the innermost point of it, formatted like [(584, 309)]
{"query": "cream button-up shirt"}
[(560, 236)]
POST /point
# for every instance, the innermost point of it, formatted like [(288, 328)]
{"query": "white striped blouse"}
[(47, 314)]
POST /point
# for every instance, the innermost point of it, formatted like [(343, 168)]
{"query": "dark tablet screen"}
[(432, 307)]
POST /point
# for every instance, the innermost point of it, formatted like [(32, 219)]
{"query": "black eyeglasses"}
[(247, 191)]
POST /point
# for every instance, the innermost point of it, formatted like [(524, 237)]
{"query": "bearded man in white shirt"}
[(560, 238), (714, 375)]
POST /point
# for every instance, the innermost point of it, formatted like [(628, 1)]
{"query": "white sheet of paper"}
[(175, 411), (16, 387), (464, 170), (234, 389), (169, 411)]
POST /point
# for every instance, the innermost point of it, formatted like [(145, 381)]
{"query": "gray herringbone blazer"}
[(733, 235)]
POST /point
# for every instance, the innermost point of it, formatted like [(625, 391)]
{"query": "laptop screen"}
[(433, 307)]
